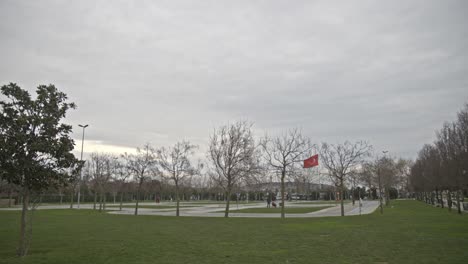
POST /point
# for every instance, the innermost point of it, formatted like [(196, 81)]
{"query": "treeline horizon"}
[(439, 175)]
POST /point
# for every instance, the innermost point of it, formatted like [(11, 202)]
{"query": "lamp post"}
[(81, 170)]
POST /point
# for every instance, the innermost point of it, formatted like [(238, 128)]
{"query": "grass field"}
[(287, 210), (408, 232)]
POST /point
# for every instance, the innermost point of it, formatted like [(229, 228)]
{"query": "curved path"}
[(217, 210)]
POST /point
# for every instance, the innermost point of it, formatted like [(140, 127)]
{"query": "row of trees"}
[(234, 158), (146, 164), (440, 173)]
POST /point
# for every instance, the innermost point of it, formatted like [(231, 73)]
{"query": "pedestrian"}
[(268, 200)]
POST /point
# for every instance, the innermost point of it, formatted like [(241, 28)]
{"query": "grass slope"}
[(409, 232)]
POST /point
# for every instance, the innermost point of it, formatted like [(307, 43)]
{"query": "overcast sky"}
[(390, 72)]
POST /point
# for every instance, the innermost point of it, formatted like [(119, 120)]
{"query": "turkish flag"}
[(311, 162)]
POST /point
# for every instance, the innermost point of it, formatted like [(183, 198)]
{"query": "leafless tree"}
[(101, 172), (142, 165), (366, 175), (341, 159), (387, 172), (72, 188), (284, 154), (175, 162), (403, 167), (109, 175), (232, 153), (122, 174), (353, 179)]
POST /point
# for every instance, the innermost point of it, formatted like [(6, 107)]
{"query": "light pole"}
[(81, 170)]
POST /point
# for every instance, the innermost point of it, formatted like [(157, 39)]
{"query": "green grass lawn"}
[(408, 232), (287, 210)]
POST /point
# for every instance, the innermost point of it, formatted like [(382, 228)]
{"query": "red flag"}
[(311, 162)]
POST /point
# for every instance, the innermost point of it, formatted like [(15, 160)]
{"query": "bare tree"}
[(110, 165), (176, 163), (232, 152), (122, 174), (284, 153), (387, 173), (366, 176), (403, 167), (98, 173), (341, 159), (142, 165)]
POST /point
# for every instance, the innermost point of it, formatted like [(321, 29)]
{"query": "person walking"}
[(268, 200)]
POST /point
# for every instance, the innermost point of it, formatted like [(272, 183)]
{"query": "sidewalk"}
[(367, 208)]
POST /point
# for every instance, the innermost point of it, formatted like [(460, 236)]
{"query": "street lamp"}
[(81, 170)]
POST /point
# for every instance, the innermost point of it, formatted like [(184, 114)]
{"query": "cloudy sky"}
[(390, 72)]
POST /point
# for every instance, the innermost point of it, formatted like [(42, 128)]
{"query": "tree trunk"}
[(9, 196), (352, 196), (458, 202), (449, 200), (138, 196), (228, 194), (380, 192), (283, 175), (121, 200), (95, 200), (441, 192), (104, 201), (177, 199), (24, 241), (71, 199), (387, 196), (341, 195), (100, 201)]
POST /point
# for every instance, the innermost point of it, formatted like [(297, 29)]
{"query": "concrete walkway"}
[(216, 210)]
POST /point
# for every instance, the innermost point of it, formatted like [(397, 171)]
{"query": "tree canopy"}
[(35, 147)]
